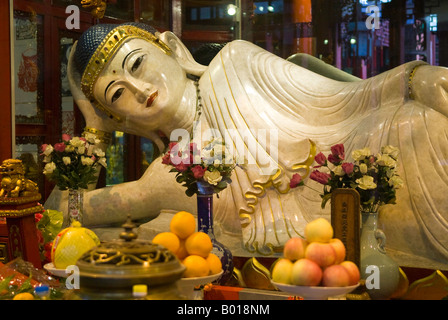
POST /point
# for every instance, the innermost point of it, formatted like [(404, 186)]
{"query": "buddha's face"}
[(142, 85)]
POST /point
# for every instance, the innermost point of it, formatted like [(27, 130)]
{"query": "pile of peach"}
[(317, 260)]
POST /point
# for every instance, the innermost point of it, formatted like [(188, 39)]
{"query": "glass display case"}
[(341, 33)]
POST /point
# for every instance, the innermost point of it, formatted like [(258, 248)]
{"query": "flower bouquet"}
[(72, 163), (373, 176), (212, 165), (204, 172)]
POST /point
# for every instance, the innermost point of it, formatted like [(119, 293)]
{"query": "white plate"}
[(199, 281), (314, 292), (187, 285), (56, 272)]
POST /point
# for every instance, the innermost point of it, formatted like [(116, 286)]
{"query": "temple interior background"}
[(37, 36), (35, 82)]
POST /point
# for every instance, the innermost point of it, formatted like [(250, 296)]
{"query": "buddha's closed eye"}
[(137, 63), (117, 94)]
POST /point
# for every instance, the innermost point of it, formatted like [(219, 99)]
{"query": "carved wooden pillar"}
[(303, 19)]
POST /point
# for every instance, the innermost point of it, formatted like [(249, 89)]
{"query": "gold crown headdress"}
[(105, 51)]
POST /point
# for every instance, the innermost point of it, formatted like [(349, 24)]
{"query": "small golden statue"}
[(99, 7), (13, 181)]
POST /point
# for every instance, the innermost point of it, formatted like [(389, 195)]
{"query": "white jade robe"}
[(259, 90), (246, 87)]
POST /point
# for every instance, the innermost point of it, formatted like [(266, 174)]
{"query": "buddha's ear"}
[(182, 54)]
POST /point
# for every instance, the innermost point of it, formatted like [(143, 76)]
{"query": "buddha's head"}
[(133, 73)]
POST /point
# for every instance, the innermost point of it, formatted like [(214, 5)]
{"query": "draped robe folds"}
[(248, 90)]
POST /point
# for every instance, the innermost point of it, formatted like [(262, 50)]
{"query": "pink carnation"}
[(320, 159), (296, 180), (66, 137), (198, 172), (60, 147), (337, 153), (347, 167), (181, 167), (166, 158), (320, 177)]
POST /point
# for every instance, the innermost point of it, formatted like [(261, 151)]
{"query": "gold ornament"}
[(98, 7), (13, 181)]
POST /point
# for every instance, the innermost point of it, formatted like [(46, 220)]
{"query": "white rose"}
[(216, 163), (396, 182), (363, 168), (98, 152), (386, 160), (49, 168), (86, 161), (48, 150), (366, 183), (81, 150), (339, 171), (102, 161), (391, 150), (69, 148), (76, 142), (66, 160), (361, 154), (212, 177)]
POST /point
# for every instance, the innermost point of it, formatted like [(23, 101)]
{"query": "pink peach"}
[(353, 272), (335, 276), (306, 272), (321, 253), (339, 248), (294, 248)]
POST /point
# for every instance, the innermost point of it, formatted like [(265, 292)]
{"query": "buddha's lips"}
[(151, 99)]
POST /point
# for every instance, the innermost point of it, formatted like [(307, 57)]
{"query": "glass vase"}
[(377, 268), (75, 206), (205, 224)]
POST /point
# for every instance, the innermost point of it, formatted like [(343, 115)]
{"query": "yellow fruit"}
[(196, 266), (199, 243), (182, 252), (319, 230), (214, 263), (71, 243), (183, 224), (23, 296), (167, 239)]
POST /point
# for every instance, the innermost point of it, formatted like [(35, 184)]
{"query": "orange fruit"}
[(199, 243), (167, 239), (23, 296), (214, 263), (196, 266), (182, 252), (183, 224)]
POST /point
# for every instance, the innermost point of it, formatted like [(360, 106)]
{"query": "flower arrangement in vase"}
[(373, 176), (204, 172), (72, 165), (196, 169)]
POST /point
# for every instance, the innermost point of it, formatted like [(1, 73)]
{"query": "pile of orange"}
[(193, 248)]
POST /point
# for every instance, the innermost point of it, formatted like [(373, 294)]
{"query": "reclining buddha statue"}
[(134, 79)]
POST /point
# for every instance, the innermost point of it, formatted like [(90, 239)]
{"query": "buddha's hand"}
[(94, 117)]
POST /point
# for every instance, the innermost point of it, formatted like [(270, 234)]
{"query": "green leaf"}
[(325, 199)]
